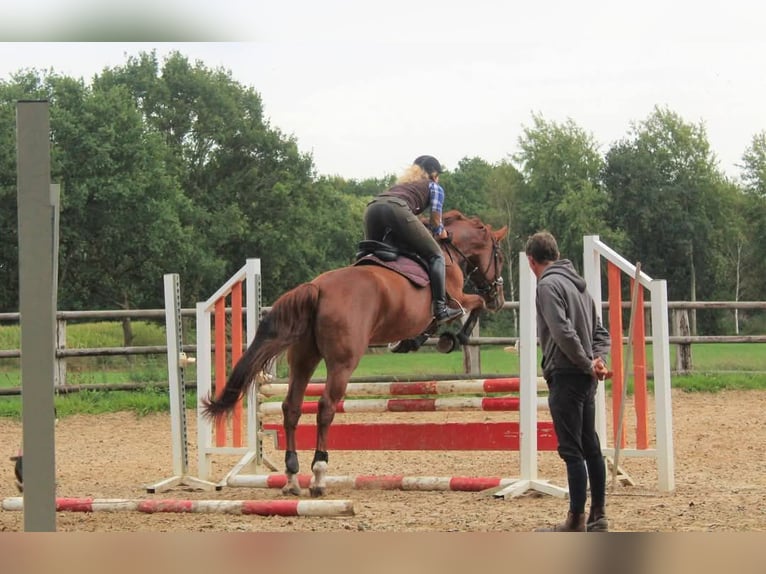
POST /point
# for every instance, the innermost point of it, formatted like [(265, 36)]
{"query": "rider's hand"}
[(443, 234)]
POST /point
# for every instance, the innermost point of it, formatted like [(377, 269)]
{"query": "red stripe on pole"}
[(270, 507), (500, 404), (510, 385), (74, 504), (473, 484), (279, 480), (314, 389)]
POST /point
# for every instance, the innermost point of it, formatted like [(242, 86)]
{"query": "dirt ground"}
[(720, 473)]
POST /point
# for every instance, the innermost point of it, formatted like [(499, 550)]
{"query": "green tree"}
[(25, 84), (338, 222), (754, 165), (561, 166), (119, 208), (670, 199), (120, 228), (250, 187), (753, 216), (503, 191), (466, 187)]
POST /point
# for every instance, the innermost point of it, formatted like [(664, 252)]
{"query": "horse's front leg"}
[(471, 302), (465, 331)]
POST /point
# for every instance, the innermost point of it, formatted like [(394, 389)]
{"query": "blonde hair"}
[(413, 173)]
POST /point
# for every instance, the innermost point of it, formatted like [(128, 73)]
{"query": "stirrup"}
[(447, 314)]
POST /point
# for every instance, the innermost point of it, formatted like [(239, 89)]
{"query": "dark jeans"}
[(572, 402)]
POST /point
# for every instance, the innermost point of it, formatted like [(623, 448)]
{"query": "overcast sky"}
[(365, 87)]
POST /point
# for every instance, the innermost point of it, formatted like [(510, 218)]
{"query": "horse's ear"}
[(501, 233)]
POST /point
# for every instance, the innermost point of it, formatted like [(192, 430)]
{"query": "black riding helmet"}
[(429, 164)]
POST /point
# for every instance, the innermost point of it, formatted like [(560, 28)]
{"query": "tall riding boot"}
[(575, 522), (597, 521), (442, 313)]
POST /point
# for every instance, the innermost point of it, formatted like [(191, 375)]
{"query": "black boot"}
[(597, 521), (442, 313), (575, 522)]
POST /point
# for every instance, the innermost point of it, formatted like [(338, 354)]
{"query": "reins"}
[(488, 286)]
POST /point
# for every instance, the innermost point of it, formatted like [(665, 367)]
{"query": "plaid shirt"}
[(437, 203)]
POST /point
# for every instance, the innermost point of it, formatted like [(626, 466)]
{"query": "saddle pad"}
[(402, 265)]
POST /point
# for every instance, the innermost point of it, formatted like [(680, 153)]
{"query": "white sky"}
[(366, 87)]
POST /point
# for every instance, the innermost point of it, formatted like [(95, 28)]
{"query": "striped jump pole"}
[(380, 482), (256, 507), (434, 387), (453, 404)]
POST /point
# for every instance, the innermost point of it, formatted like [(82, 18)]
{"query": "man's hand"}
[(600, 369)]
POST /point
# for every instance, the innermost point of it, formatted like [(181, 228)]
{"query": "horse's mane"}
[(454, 215)]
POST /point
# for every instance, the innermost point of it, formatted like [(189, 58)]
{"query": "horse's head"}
[(476, 248)]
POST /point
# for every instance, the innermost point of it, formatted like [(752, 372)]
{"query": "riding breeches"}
[(391, 214)]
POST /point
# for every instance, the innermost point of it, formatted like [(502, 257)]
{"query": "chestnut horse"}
[(337, 315)]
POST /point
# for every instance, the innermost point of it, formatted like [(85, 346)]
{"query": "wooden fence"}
[(681, 316)]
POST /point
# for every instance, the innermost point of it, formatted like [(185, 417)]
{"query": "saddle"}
[(386, 254)]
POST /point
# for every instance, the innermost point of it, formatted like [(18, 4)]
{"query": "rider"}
[(396, 211)]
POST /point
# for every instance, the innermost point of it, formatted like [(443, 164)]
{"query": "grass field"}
[(717, 366)]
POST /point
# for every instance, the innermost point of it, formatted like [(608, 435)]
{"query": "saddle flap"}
[(402, 265), (381, 250)]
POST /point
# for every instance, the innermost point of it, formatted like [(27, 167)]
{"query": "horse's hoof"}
[(404, 346), (316, 491), (293, 490), (447, 343)]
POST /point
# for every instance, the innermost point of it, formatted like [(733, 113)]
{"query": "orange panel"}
[(220, 365), (615, 330), (236, 353), (639, 369)]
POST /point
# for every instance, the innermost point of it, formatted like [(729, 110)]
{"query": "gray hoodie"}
[(571, 334)]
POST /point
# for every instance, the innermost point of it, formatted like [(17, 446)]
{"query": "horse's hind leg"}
[(302, 360), (335, 389)]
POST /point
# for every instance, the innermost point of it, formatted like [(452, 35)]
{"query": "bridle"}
[(485, 287)]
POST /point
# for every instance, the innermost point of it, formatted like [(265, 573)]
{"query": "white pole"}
[(175, 374), (592, 275), (527, 371), (204, 387), (662, 389)]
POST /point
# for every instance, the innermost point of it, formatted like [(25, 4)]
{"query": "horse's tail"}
[(290, 318)]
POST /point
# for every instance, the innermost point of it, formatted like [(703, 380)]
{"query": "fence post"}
[(59, 375), (682, 328), (472, 354)]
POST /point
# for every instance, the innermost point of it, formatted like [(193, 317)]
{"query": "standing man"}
[(574, 346)]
